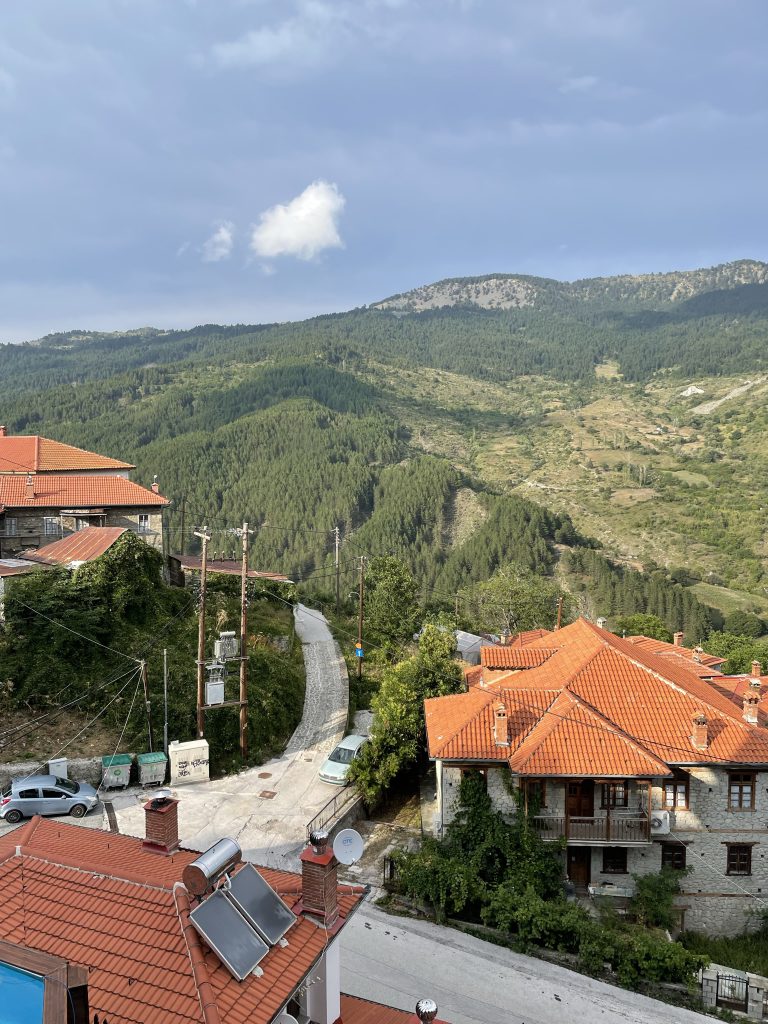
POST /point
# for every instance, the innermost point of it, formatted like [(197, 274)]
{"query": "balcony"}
[(613, 829)]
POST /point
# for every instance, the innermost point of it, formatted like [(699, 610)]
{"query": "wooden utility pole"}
[(205, 537), (361, 589), (145, 684), (244, 647), (338, 576), (559, 612), (183, 526)]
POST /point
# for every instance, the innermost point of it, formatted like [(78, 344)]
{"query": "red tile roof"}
[(355, 1010), (699, 660), (529, 636), (83, 546), (100, 900), (34, 454), (514, 657), (60, 491), (620, 707)]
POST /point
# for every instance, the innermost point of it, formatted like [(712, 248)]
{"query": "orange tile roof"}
[(700, 659), (74, 491), (355, 1010), (644, 705), (514, 657), (100, 900), (34, 454), (83, 546), (529, 636)]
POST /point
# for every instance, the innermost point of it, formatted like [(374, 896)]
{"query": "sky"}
[(175, 162)]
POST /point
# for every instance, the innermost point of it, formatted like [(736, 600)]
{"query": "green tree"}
[(641, 625), (514, 599), (744, 624), (391, 610)]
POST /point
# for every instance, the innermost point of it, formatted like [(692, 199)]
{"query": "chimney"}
[(677, 639), (30, 486), (751, 700), (697, 653), (602, 622), (3, 431), (161, 816), (757, 669), (699, 736), (426, 1010), (318, 879), (155, 485), (500, 726)]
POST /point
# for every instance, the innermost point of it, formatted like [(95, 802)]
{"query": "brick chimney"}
[(677, 639), (155, 485), (757, 669), (318, 879), (161, 816), (500, 726), (3, 431), (699, 736), (30, 486)]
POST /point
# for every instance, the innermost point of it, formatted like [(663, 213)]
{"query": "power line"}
[(82, 636)]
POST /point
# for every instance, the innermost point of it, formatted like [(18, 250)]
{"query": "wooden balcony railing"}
[(614, 828)]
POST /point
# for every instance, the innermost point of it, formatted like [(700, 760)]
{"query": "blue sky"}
[(172, 162)]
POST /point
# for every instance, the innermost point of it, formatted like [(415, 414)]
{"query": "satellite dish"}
[(348, 846), (286, 1018)]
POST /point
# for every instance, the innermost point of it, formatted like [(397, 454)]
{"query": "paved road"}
[(266, 808), (399, 961)]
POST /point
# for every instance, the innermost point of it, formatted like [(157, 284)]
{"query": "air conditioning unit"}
[(659, 823)]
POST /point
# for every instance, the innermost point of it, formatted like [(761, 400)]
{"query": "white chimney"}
[(602, 622)]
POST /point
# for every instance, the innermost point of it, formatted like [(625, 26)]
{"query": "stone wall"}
[(86, 769)]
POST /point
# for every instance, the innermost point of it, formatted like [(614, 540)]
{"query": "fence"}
[(338, 806)]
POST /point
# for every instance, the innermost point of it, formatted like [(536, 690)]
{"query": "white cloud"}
[(219, 245), (581, 83), (303, 227)]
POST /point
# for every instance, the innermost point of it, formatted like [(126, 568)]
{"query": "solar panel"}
[(229, 935), (258, 902)]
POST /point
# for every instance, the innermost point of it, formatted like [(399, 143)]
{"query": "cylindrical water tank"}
[(202, 873)]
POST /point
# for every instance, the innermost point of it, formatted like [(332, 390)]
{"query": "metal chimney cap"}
[(161, 797), (426, 1010), (319, 840)]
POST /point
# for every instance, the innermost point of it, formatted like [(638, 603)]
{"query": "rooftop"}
[(35, 454), (598, 705), (228, 566), (83, 546), (63, 491), (98, 899)]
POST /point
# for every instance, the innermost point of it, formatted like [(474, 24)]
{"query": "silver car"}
[(46, 794), (336, 768)]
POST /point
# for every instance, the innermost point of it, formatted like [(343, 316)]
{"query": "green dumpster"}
[(152, 769), (116, 771)]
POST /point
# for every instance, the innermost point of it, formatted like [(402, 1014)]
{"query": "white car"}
[(336, 768)]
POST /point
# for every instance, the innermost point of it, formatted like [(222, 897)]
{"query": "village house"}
[(638, 758), (49, 490), (129, 930)]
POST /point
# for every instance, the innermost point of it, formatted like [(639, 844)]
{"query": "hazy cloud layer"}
[(304, 227), (219, 245)]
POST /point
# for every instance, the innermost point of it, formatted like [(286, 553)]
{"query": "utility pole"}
[(360, 615), (145, 684), (165, 700), (559, 611), (244, 647), (205, 537), (183, 526), (338, 578)]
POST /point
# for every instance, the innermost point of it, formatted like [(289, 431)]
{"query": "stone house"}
[(634, 758), (49, 490)]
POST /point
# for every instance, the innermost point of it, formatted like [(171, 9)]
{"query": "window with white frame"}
[(50, 526), (143, 522), (10, 526)]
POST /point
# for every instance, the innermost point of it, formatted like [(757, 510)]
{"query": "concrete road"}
[(399, 961), (267, 808)]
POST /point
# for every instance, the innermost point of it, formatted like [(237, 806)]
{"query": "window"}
[(143, 522), (741, 791), (50, 526), (11, 527), (536, 793), (676, 792), (614, 860), (739, 860), (28, 794), (615, 794), (53, 794), (673, 856)]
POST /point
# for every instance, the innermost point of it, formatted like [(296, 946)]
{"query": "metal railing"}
[(607, 828), (339, 804)]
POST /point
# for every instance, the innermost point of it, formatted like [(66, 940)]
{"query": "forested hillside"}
[(458, 438)]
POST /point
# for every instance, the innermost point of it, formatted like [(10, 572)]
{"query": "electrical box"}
[(189, 761), (214, 692), (227, 647)]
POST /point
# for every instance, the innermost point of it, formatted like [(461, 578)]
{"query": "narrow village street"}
[(398, 961)]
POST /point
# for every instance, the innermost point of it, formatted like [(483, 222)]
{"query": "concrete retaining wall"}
[(85, 769)]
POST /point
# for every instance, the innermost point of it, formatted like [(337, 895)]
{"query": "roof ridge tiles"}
[(488, 698), (547, 724), (205, 991)]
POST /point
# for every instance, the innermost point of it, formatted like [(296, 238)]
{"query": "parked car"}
[(46, 794), (336, 768)]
